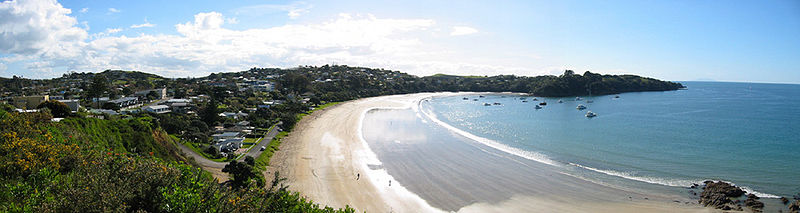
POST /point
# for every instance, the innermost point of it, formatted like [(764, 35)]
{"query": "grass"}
[(196, 148), (263, 160)]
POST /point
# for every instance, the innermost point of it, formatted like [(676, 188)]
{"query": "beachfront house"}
[(158, 109)]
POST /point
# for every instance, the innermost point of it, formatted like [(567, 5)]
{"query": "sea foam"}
[(535, 156)]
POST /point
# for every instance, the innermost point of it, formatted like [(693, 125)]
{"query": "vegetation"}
[(93, 165), (57, 109)]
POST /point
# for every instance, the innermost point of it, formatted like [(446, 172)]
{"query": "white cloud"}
[(38, 27), (113, 30), (204, 45), (145, 24), (462, 30), (293, 10), (231, 20), (84, 10), (113, 10)]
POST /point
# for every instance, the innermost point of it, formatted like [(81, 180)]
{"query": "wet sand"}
[(324, 156)]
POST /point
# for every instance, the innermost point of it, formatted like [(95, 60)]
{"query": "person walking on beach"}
[(358, 176), (390, 182)]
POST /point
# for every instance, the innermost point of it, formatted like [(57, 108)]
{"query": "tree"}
[(57, 109), (152, 95), (210, 113), (110, 105), (98, 87), (240, 173), (250, 160)]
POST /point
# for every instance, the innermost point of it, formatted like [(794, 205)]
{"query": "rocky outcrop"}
[(753, 203), (795, 207), (718, 195)]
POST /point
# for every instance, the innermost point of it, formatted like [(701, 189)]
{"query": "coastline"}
[(324, 155)]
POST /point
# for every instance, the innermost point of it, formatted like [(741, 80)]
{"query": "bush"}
[(57, 109)]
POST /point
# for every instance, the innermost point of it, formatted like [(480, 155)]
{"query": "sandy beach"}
[(326, 159)]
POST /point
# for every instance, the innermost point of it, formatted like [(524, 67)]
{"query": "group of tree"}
[(126, 165)]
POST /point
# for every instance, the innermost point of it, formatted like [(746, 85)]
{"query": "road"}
[(254, 152)]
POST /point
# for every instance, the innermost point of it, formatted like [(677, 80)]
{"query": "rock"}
[(795, 207), (718, 194), (753, 203), (784, 200)]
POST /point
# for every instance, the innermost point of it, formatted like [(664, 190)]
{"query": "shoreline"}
[(324, 156)]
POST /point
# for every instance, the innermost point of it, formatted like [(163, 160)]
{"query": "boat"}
[(535, 99), (560, 101), (465, 98), (496, 103), (589, 101), (616, 96), (487, 104), (480, 96), (578, 98), (590, 114), (537, 107), (543, 103), (523, 98), (525, 101), (475, 99), (580, 107)]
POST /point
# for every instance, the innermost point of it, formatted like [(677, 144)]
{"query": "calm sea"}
[(744, 133)]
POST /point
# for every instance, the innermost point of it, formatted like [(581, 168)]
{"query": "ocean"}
[(743, 133)]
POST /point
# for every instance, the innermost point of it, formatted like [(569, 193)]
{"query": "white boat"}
[(537, 107), (577, 98), (590, 114), (487, 104), (580, 107), (496, 103), (560, 101)]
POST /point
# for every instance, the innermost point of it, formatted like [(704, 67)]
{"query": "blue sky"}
[(753, 41)]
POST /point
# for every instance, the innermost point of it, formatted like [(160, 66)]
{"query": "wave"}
[(535, 156), (667, 181)]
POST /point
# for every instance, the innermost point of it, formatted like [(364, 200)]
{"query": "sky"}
[(678, 40)]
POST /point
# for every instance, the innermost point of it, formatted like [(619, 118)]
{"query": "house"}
[(29, 102), (225, 135), (103, 111), (160, 93), (229, 144), (179, 105), (125, 101), (233, 115), (72, 104), (158, 109)]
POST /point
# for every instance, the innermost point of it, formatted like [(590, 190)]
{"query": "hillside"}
[(126, 165)]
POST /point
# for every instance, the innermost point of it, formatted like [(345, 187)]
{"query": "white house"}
[(230, 144), (159, 109)]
